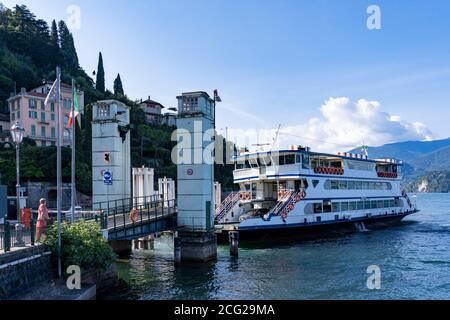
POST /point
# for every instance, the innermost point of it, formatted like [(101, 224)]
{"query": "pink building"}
[(39, 120)]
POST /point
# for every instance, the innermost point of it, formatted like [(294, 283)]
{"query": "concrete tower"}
[(195, 134), (111, 150)]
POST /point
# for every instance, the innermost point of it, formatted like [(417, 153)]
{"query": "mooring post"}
[(177, 249), (151, 242), (233, 236), (136, 244)]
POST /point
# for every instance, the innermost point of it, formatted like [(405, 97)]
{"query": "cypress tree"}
[(68, 51), (100, 82), (118, 88), (54, 44)]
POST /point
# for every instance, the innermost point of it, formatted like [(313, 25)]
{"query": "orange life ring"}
[(134, 215)]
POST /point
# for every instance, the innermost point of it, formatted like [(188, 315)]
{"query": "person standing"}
[(41, 220)]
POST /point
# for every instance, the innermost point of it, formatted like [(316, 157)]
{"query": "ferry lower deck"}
[(312, 230)]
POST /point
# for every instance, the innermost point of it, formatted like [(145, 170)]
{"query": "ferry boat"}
[(298, 192)]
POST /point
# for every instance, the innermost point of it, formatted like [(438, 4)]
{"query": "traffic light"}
[(107, 158)]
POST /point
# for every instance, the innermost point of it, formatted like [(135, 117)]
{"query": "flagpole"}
[(73, 155), (58, 164)]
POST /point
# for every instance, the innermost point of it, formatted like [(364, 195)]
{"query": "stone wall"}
[(23, 270)]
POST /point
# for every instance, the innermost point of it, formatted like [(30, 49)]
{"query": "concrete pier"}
[(198, 246), (121, 247)]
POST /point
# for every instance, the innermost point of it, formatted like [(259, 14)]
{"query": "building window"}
[(33, 130), (42, 116), (42, 105), (53, 117), (53, 132), (52, 107), (18, 115), (32, 114), (11, 106), (42, 131), (32, 103)]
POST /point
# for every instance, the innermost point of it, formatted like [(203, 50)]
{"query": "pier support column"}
[(121, 247), (198, 246), (233, 236), (177, 250)]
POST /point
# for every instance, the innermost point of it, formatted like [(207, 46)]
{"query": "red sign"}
[(190, 172)]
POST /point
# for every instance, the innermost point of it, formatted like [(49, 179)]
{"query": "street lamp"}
[(17, 132)]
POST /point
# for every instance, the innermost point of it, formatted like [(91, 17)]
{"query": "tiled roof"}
[(149, 101)]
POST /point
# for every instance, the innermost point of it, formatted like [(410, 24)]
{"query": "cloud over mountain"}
[(342, 125), (345, 124)]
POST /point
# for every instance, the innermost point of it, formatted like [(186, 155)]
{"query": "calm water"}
[(414, 258)]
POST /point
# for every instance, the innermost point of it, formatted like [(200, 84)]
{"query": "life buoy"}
[(291, 207), (242, 196), (134, 215), (298, 197), (247, 196)]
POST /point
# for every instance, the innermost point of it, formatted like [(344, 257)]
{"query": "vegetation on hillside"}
[(30, 50)]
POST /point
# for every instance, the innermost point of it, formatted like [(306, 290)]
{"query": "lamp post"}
[(17, 132)]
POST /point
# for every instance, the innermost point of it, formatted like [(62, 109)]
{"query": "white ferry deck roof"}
[(311, 153)]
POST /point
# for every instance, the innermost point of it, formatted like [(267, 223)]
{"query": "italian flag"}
[(74, 110)]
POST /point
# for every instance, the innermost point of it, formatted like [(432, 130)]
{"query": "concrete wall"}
[(22, 271)]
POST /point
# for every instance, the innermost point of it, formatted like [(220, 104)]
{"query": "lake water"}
[(414, 259)]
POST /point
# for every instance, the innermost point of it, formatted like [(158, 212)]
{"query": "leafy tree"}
[(100, 82), (118, 88)]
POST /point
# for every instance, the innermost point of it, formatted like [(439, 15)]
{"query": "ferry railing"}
[(227, 205)]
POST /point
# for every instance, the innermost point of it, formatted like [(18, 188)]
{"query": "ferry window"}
[(373, 204), (317, 207), (305, 161), (327, 184), (365, 185), (360, 205), (351, 185), (253, 162), (391, 203), (275, 160), (342, 185), (281, 160), (335, 207), (378, 186), (264, 160), (352, 205), (344, 206), (367, 204), (389, 185), (290, 159), (386, 203), (334, 184), (326, 206), (380, 203), (358, 185), (239, 165), (298, 158)]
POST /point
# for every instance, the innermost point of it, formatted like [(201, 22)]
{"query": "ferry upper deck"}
[(298, 161)]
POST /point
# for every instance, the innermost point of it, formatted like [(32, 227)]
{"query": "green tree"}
[(68, 51), (100, 82), (118, 88), (54, 44)]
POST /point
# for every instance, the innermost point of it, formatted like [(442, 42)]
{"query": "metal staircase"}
[(286, 204), (227, 205)]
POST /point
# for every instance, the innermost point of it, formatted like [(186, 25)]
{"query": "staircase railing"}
[(287, 204), (227, 205)]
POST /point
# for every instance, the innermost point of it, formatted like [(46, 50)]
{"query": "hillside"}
[(426, 163), (30, 50), (408, 151)]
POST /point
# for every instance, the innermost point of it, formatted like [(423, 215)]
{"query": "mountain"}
[(408, 151), (426, 163)]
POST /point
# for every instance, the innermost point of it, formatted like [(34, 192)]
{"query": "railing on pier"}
[(129, 218), (8, 235)]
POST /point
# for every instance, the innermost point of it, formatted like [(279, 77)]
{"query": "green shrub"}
[(82, 244)]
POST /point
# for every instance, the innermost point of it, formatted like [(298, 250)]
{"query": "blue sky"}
[(279, 62)]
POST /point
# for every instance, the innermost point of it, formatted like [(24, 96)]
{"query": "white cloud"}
[(343, 125)]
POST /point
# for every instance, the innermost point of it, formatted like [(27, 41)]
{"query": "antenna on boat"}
[(276, 137)]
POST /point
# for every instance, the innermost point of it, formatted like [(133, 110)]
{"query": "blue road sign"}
[(107, 178)]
